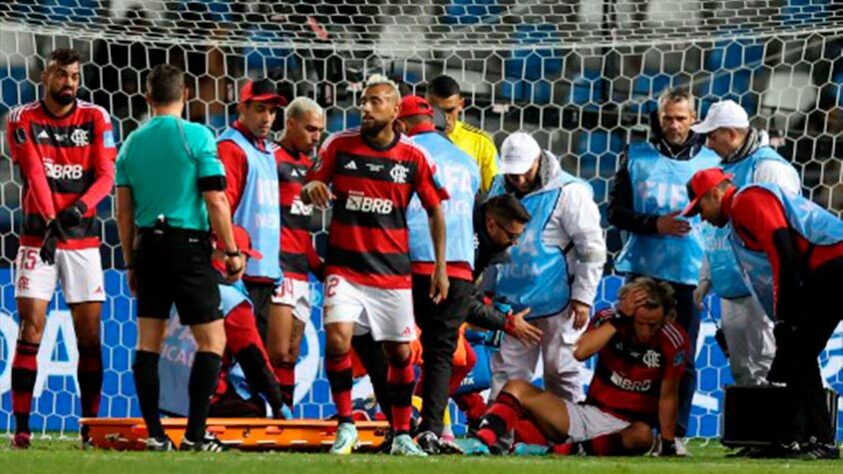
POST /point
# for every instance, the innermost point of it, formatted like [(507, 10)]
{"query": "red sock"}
[(340, 378), (400, 380), (527, 432), (24, 372), (473, 405), (285, 372), (499, 418), (89, 374), (607, 445)]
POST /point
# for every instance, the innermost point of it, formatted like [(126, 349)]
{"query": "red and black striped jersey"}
[(62, 160), (368, 237), (628, 375), (297, 253)]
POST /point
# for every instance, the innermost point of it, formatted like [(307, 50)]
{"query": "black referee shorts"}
[(175, 268)]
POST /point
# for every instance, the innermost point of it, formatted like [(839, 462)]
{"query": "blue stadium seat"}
[(732, 64), (14, 88), (470, 12)]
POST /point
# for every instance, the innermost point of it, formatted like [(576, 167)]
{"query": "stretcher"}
[(242, 433)]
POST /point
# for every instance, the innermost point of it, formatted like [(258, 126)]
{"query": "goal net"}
[(580, 75)]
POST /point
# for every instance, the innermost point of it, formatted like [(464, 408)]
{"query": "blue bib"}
[(178, 351), (537, 274), (659, 188), (259, 210), (460, 176), (726, 279), (809, 220)]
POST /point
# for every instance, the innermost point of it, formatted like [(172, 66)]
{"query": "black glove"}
[(73, 214), (667, 448), (52, 236)]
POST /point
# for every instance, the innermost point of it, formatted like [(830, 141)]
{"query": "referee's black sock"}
[(145, 371), (203, 379)]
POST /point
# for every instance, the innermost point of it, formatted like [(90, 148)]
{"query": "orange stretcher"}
[(241, 433)]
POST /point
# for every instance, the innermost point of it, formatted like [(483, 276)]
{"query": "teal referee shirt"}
[(168, 162)]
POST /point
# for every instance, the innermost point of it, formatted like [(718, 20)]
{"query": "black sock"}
[(147, 388), (203, 379)]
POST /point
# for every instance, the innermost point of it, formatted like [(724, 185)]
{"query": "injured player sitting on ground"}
[(640, 359)]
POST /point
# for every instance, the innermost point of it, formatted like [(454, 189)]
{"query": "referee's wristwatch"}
[(236, 253)]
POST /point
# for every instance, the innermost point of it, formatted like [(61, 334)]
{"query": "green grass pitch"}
[(63, 457)]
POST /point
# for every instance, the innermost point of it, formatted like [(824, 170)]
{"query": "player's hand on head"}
[(672, 224), (630, 302)]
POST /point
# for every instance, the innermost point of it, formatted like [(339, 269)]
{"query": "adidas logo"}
[(351, 165), (43, 135), (408, 331)]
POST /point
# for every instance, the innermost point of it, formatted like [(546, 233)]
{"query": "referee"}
[(169, 185)]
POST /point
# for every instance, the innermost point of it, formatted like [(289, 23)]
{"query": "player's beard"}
[(372, 130), (63, 99)]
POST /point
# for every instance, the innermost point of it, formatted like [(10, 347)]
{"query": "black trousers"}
[(261, 295), (806, 414), (439, 326), (688, 317)]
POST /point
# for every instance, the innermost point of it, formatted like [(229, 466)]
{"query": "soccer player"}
[(440, 323), (554, 268), (444, 94), (252, 191), (65, 150), (744, 154), (304, 124), (374, 172), (170, 194), (791, 254), (640, 359), (647, 195)]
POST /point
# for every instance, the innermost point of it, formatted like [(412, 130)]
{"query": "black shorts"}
[(175, 268)]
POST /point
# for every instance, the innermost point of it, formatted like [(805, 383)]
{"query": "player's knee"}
[(518, 388), (31, 332), (637, 438), (336, 343), (397, 353), (210, 338)]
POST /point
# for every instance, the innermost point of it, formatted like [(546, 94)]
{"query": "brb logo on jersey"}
[(57, 171), (630, 385), (359, 202)]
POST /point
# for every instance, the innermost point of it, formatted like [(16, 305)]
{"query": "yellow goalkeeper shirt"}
[(480, 146)]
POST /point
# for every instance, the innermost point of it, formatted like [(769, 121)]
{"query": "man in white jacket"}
[(555, 266), (746, 155)]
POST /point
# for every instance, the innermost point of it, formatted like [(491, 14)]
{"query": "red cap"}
[(414, 105), (702, 182), (262, 90), (243, 242)]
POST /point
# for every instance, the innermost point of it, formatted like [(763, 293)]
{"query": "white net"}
[(582, 76)]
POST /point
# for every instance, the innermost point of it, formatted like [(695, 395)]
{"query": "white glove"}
[(700, 291)]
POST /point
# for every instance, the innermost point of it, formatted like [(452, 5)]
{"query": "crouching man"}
[(640, 359)]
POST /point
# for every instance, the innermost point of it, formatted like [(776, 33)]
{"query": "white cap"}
[(725, 113), (518, 153)]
